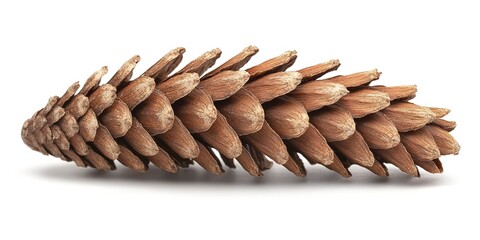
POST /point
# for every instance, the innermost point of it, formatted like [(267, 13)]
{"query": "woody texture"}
[(252, 118)]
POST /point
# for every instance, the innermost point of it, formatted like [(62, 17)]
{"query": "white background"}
[(47, 45)]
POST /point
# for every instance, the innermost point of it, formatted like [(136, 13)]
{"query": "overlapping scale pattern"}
[(255, 117)]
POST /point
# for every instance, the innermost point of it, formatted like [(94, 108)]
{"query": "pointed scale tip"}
[(379, 169), (439, 112), (163, 67), (69, 125), (333, 122), (355, 150), (125, 72), (77, 105), (179, 139), (155, 113), (295, 165), (223, 138), (196, 110), (224, 84), (243, 112), (316, 94), (378, 131), (408, 116), (130, 160), (207, 160), (356, 79), (99, 162), (136, 91), (102, 98), (363, 102), (434, 166), (338, 167), (274, 85), (421, 144), (445, 125), (140, 140), (276, 64), (179, 86), (317, 149), (105, 143), (163, 161), (57, 113), (88, 125), (235, 63), (316, 71), (117, 118), (287, 117), (202, 63), (260, 159), (68, 94), (248, 163), (398, 92), (445, 142), (93, 81), (267, 141), (399, 157)]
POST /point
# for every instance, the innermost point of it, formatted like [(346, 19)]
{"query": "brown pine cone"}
[(251, 117)]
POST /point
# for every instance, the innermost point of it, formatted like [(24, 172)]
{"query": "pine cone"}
[(254, 116)]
